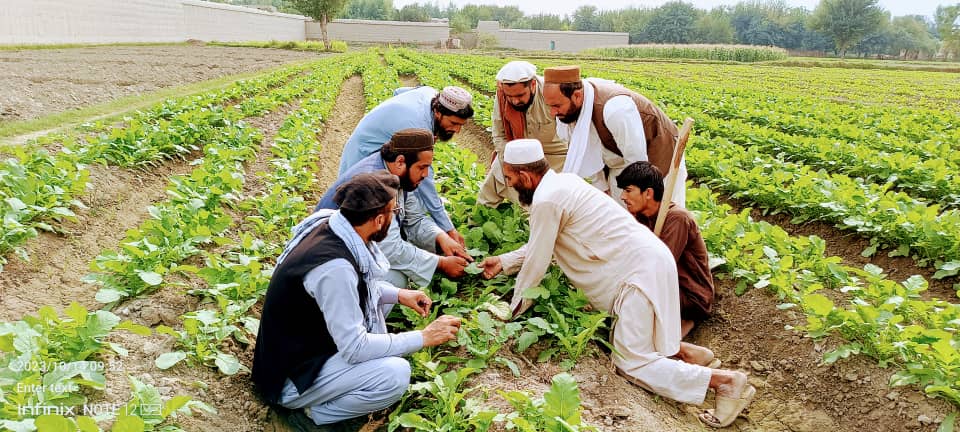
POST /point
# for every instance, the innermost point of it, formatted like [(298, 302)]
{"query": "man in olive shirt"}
[(642, 185), (519, 112)]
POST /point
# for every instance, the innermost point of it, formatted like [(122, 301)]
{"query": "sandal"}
[(728, 409)]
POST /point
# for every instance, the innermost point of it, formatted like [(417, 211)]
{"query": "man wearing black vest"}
[(323, 345), (608, 127)]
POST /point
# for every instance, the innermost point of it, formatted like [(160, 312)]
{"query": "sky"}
[(566, 7)]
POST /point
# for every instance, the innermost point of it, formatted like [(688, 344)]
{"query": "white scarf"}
[(585, 153)]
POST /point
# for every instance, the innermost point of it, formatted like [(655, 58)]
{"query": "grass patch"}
[(118, 108), (335, 46), (737, 53), (73, 45), (951, 67)]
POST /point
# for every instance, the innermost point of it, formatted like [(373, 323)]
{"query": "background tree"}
[(713, 28), (911, 38), (320, 10), (672, 23), (948, 25), (542, 22), (413, 12), (369, 10), (847, 21), (585, 19)]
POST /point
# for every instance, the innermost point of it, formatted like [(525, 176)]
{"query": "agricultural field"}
[(135, 253)]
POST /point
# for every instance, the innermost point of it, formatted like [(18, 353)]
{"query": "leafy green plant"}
[(558, 411)]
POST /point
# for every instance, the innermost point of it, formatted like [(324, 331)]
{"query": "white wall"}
[(214, 21), (90, 21), (380, 31), (107, 21), (540, 40)]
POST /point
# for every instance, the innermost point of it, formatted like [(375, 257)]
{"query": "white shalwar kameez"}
[(622, 268)]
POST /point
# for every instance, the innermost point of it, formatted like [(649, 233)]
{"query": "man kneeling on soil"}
[(323, 344), (413, 237), (642, 185), (588, 233)]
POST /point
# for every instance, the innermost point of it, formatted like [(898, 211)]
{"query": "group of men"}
[(586, 158)]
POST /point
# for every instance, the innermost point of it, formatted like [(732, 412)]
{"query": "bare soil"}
[(40, 82)]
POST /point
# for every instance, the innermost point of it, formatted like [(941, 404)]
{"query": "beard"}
[(379, 236), (406, 184), (441, 133), (524, 195), (523, 107), (570, 117)]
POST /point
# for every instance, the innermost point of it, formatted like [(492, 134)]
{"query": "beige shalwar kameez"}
[(539, 124), (622, 268)]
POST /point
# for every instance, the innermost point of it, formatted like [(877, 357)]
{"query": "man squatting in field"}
[(443, 113), (609, 127), (519, 112), (413, 238), (642, 185), (323, 345), (586, 231)]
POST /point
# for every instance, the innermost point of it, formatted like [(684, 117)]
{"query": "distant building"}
[(550, 40)]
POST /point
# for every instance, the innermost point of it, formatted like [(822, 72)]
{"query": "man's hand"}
[(451, 247), (491, 266), (452, 266), (456, 236), (443, 329), (417, 300)]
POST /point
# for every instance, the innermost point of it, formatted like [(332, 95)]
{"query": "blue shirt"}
[(412, 255), (408, 109)]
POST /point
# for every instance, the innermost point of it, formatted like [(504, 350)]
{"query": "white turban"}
[(517, 72), (523, 151)]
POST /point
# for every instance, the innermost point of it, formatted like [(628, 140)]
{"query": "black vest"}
[(293, 341)]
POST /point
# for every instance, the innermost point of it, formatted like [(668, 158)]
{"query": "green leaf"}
[(563, 399), (412, 420), (227, 363), (128, 424), (15, 204), (174, 404), (473, 269), (53, 423), (525, 340), (134, 328), (948, 423), (109, 295), (150, 278), (536, 292), (167, 360), (818, 304), (87, 424)]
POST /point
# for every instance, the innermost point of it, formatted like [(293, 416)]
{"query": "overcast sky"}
[(566, 7)]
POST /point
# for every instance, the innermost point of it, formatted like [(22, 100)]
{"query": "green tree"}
[(541, 22), (847, 21), (413, 12), (948, 26), (320, 10), (713, 28), (369, 10), (585, 19), (911, 39), (672, 23)]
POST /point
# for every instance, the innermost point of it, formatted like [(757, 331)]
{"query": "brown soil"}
[(116, 201), (35, 82)]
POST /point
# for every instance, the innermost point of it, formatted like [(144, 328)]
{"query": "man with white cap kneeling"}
[(519, 112), (623, 268)]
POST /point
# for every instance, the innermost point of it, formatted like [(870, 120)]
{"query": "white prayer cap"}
[(517, 72), (455, 98), (523, 151)]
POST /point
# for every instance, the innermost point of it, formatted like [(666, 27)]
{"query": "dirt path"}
[(35, 84)]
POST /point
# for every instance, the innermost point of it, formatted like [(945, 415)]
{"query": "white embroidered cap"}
[(523, 151), (455, 98), (517, 72)]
